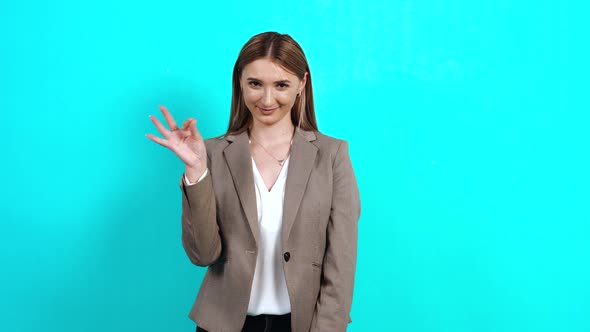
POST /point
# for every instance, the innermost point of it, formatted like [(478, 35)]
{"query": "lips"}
[(267, 111)]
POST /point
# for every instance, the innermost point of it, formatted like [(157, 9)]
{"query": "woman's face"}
[(269, 91)]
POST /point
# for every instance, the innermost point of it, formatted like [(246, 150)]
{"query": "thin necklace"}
[(280, 161)]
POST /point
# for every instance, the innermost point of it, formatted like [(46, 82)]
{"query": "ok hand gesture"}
[(186, 142)]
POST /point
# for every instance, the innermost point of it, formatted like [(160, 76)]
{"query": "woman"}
[(272, 206)]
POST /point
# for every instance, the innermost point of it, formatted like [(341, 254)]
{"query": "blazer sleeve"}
[(200, 232), (335, 299)]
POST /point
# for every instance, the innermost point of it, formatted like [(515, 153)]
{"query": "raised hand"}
[(186, 142)]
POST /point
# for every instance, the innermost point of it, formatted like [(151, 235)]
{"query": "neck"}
[(277, 133)]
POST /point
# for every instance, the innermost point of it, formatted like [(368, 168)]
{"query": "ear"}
[(302, 83)]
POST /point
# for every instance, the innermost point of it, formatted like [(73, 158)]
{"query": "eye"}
[(283, 85), (254, 84)]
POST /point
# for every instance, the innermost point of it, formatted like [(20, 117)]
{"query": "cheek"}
[(251, 96), (286, 98)]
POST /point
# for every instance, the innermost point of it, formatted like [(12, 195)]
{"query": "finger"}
[(194, 130), (165, 132), (169, 119), (158, 140), (185, 125)]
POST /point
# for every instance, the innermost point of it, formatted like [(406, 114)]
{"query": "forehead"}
[(266, 70)]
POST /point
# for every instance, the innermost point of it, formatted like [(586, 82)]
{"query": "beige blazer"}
[(319, 233)]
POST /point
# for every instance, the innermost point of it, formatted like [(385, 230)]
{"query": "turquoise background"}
[(468, 127)]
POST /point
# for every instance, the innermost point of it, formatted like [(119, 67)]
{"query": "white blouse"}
[(269, 290)]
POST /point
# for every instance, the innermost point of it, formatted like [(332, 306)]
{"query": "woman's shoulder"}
[(215, 143), (324, 141)]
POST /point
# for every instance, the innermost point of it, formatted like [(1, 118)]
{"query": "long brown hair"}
[(286, 52)]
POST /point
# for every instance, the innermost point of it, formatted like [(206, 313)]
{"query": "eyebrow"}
[(276, 82)]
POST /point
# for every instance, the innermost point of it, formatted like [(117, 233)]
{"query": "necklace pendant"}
[(281, 162)]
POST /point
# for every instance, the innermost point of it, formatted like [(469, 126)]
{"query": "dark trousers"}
[(264, 323)]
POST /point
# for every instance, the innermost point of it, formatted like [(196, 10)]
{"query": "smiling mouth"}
[(267, 110)]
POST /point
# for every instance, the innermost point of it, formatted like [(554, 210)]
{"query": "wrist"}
[(194, 173)]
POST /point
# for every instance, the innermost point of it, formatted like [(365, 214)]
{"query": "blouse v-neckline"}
[(260, 180)]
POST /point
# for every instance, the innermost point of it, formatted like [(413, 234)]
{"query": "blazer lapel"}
[(239, 161), (303, 155)]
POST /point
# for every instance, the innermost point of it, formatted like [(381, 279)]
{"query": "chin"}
[(268, 121)]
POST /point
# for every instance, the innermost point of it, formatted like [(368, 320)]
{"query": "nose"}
[(267, 98)]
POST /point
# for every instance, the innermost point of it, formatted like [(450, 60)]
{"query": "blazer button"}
[(287, 256)]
